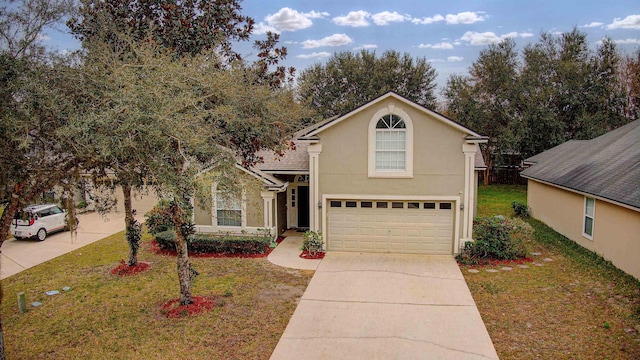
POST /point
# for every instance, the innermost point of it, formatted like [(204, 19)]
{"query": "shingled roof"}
[(607, 166)]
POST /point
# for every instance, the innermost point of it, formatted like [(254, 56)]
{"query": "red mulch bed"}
[(173, 310), (125, 270), (305, 255), (495, 262), (155, 248)]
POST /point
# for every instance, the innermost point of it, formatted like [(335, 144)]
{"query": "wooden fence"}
[(504, 175)]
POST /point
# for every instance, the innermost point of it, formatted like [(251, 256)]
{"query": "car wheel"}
[(42, 234)]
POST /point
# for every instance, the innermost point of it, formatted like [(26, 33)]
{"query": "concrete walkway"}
[(386, 306), (286, 254)]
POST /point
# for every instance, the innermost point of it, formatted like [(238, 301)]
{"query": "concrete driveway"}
[(18, 255), (385, 306)]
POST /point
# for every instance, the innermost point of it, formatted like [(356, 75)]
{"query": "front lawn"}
[(568, 304), (106, 316)]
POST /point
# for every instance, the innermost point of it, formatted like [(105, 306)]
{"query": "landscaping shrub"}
[(158, 219), (520, 209), (497, 238), (312, 242), (215, 243)]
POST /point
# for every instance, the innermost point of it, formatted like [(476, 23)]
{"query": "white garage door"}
[(423, 227)]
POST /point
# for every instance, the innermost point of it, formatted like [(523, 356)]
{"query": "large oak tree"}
[(184, 29)]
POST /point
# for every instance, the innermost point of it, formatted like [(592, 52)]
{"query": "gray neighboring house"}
[(589, 191)]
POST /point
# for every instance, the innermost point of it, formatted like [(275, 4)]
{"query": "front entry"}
[(303, 206)]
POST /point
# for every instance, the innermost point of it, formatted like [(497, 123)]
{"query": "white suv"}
[(38, 221)]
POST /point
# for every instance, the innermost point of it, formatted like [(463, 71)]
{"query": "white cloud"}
[(428, 20), (42, 37), (287, 19), (262, 28), (486, 38), (454, 58), (630, 22), (386, 17), (353, 18), (314, 55), (333, 40), (366, 46), (442, 45), (435, 60), (592, 24), (467, 17), (627, 41), (317, 15)]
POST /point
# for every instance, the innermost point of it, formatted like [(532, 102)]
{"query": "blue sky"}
[(450, 34)]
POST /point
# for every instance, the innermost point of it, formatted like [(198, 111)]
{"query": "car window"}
[(22, 215), (45, 212), (55, 210)]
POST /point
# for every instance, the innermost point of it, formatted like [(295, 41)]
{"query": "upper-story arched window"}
[(390, 144)]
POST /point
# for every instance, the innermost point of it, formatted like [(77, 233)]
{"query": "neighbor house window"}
[(589, 211), (228, 209), (390, 144)]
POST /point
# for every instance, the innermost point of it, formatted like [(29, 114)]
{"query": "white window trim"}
[(214, 213), (408, 171), (584, 217)]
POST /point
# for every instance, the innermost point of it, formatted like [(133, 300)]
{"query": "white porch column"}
[(469, 192), (314, 191), (267, 200)]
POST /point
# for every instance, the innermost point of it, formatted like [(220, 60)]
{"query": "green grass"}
[(577, 306), (497, 199), (104, 316)]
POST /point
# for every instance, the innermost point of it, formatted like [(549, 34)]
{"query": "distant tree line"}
[(555, 90)]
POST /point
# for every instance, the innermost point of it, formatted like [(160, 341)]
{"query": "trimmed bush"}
[(520, 209), (497, 238), (158, 219), (215, 243)]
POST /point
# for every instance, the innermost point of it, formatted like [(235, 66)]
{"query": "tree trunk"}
[(128, 222), (186, 297), (489, 164)]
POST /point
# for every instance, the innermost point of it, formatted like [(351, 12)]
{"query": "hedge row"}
[(215, 244)]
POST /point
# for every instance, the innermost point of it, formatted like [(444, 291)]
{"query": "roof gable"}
[(607, 166), (313, 130)]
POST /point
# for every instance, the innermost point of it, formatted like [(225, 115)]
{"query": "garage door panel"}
[(399, 230)]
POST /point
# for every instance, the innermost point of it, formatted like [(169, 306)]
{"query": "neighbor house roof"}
[(607, 166)]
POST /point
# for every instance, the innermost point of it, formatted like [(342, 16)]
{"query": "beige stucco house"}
[(589, 191), (389, 176)]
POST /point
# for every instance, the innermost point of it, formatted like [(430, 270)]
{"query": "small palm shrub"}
[(496, 238)]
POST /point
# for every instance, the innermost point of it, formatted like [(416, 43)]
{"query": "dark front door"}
[(303, 206)]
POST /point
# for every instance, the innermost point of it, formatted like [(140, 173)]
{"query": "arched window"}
[(390, 144)]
